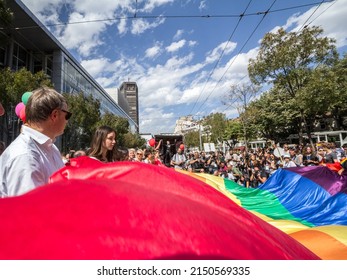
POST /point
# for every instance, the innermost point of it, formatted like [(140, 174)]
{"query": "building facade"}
[(130, 91), (36, 49)]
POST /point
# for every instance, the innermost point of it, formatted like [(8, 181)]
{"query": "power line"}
[(333, 2), (220, 57), (136, 16), (304, 24), (250, 36)]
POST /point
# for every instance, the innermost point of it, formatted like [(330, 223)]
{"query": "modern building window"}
[(19, 58)]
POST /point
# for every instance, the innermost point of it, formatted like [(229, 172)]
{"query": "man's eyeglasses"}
[(68, 114)]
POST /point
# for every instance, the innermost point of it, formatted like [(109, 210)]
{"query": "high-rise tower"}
[(130, 91)]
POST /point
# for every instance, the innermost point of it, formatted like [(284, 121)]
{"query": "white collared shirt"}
[(28, 162)]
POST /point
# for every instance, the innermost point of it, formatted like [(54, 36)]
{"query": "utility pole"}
[(200, 137)]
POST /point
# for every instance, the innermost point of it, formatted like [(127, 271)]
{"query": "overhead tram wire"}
[(136, 16), (304, 24), (220, 57), (264, 15)]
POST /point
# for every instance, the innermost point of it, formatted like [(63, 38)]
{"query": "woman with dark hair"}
[(103, 144)]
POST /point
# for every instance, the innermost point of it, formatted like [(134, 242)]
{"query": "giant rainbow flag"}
[(127, 210), (307, 203)]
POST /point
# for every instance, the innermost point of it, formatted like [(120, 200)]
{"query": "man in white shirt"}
[(32, 157)]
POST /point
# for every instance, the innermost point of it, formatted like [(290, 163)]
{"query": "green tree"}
[(216, 124), (6, 17), (288, 61), (271, 117), (81, 126), (12, 87), (132, 140), (233, 131), (338, 105), (240, 96), (192, 139)]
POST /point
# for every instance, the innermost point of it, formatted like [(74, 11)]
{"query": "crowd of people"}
[(30, 160)]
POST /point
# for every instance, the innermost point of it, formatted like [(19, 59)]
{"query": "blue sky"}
[(182, 61)]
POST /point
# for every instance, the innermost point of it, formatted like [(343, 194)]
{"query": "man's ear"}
[(54, 115)]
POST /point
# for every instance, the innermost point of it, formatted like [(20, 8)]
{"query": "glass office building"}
[(32, 46)]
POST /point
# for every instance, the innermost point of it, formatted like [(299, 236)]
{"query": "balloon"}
[(182, 147), (2, 110), (151, 142), (26, 96), (22, 115), (18, 108)]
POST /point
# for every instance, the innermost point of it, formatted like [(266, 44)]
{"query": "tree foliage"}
[(12, 87), (6, 18), (294, 63), (132, 140), (81, 126), (216, 124), (192, 139), (239, 97)]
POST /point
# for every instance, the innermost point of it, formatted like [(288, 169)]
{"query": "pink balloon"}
[(22, 115), (18, 108)]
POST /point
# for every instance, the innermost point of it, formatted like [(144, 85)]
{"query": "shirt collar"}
[(39, 137)]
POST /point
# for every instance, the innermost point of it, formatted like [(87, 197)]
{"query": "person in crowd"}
[(79, 153), (32, 157), (148, 156), (103, 144), (157, 160), (222, 170), (196, 164), (212, 163), (179, 160), (309, 157), (65, 157), (285, 149), (330, 153), (139, 155), (229, 155), (295, 156), (2, 147), (120, 154), (320, 154), (258, 176), (167, 153), (132, 154), (288, 161)]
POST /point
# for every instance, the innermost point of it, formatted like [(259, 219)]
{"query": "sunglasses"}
[(68, 114)]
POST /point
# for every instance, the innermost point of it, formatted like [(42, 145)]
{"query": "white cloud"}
[(192, 43), (82, 37), (154, 51), (225, 48), (202, 5), (139, 25), (122, 26), (178, 34), (329, 16), (175, 46), (152, 4)]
